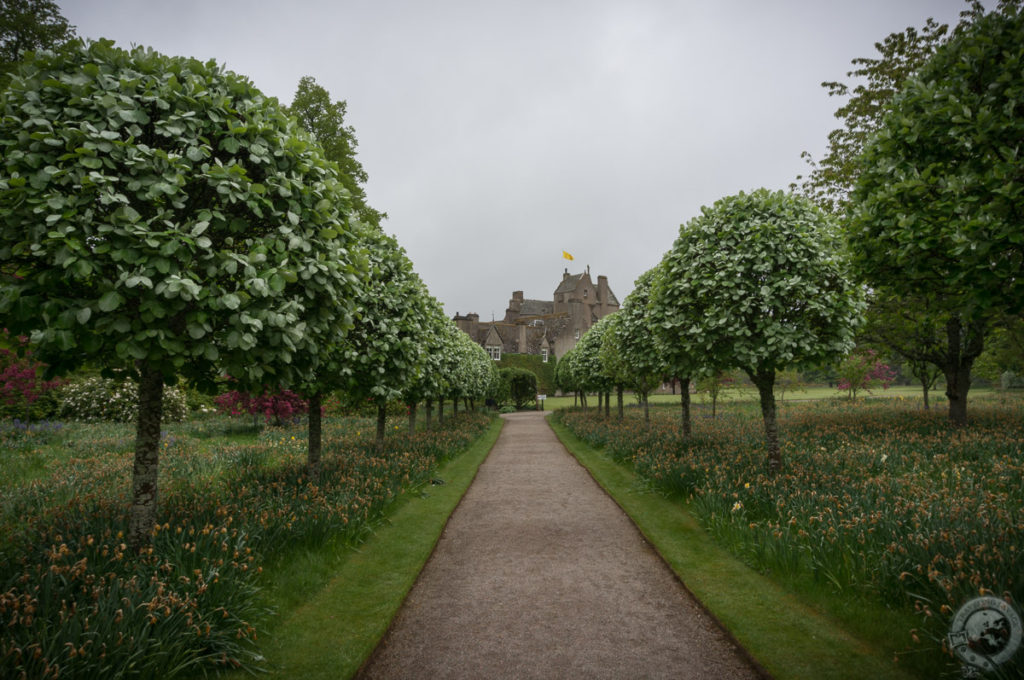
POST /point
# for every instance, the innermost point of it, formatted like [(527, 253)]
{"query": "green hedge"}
[(545, 372)]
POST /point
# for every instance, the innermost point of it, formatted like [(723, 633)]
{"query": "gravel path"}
[(539, 574)]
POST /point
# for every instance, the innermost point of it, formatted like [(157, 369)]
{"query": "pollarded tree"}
[(645, 366), (427, 384), (612, 360), (566, 374), (159, 216), (678, 359), (590, 371), (757, 282), (474, 373), (383, 351), (937, 204)]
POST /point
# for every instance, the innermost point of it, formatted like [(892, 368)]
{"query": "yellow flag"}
[(566, 255)]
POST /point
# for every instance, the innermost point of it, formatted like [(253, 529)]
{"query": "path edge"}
[(743, 651), (433, 550)]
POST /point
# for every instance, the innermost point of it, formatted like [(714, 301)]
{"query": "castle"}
[(545, 327)]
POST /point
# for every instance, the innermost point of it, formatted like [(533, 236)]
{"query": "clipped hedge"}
[(545, 371)]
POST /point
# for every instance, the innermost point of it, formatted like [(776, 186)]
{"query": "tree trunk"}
[(382, 416), (963, 347), (412, 418), (765, 383), (430, 411), (684, 403), (142, 515), (714, 404), (315, 446), (647, 411), (958, 382), (455, 407), (924, 390), (607, 404), (440, 410), (620, 390)]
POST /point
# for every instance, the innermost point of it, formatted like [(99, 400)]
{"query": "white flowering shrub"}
[(102, 399)]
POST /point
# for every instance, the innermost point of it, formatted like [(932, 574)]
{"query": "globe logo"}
[(985, 633)]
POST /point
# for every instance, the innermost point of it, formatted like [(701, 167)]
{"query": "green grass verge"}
[(784, 634), (336, 602)]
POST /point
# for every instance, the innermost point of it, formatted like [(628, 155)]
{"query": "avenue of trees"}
[(906, 238), (163, 220)]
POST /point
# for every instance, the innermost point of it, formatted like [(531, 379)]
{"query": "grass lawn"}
[(745, 394)]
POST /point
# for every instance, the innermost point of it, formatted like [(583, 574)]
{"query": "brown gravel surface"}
[(539, 574)]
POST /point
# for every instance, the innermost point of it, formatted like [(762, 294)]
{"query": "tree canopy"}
[(27, 26), (939, 192), (325, 120)]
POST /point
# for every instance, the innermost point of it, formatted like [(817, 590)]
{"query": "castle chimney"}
[(514, 306)]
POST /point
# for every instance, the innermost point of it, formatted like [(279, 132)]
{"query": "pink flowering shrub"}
[(862, 370), (281, 407), (21, 385)]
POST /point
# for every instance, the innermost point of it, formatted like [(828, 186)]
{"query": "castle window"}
[(495, 352), (585, 291), (577, 333), (544, 354)]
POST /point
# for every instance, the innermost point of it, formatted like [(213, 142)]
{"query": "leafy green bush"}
[(95, 399), (522, 385)]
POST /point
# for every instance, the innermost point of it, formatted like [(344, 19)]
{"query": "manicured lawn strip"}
[(936, 397), (336, 603), (784, 635)]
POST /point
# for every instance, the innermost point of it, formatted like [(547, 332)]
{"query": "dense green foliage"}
[(162, 211), (938, 195), (544, 370)]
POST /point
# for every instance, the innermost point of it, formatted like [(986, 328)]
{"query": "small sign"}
[(541, 397)]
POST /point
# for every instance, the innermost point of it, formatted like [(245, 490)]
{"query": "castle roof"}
[(569, 283)]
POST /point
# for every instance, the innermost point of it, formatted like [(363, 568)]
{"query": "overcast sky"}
[(498, 134)]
